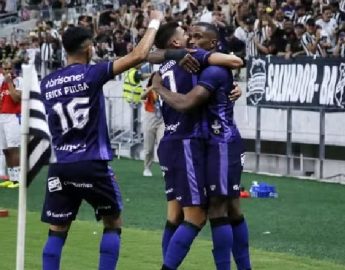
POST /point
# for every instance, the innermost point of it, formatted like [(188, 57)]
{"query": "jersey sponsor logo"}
[(71, 147), (257, 81), (78, 185), (54, 184), (216, 127), (64, 79), (172, 128)]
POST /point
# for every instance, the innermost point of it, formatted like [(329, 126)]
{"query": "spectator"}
[(153, 128), (120, 46), (339, 49), (294, 46), (328, 24), (311, 40)]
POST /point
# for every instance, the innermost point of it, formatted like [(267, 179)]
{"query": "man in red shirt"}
[(10, 97)]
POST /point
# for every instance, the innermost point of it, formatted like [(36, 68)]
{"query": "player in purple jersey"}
[(224, 152), (74, 103), (181, 151)]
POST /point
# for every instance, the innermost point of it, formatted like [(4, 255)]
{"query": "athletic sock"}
[(15, 174), (169, 231), (51, 256), (10, 173), (240, 248), (109, 249), (222, 242), (180, 244)]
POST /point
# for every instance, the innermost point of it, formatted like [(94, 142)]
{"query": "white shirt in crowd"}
[(329, 27)]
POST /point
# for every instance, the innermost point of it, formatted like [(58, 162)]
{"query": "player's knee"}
[(112, 222), (234, 210), (217, 207), (175, 218), (195, 215)]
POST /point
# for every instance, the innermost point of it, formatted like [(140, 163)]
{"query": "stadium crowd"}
[(248, 28)]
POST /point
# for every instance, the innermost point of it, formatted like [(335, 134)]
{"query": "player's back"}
[(220, 110), (182, 125), (74, 103)]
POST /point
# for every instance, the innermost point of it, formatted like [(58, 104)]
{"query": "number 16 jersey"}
[(74, 103)]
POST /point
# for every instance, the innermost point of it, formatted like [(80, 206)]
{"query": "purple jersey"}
[(182, 125), (74, 102), (220, 114)]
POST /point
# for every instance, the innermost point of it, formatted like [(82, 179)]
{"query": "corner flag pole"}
[(21, 226)]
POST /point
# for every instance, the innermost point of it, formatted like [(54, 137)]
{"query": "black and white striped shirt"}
[(302, 19), (307, 39), (342, 6)]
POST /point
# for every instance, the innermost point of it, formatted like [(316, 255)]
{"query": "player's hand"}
[(156, 15), (189, 63), (236, 93), (156, 80), (8, 78)]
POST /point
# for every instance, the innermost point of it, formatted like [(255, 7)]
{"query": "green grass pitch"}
[(302, 229)]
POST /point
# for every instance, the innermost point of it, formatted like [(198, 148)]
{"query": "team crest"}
[(257, 81), (216, 127), (339, 90)]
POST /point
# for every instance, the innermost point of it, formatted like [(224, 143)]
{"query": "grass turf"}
[(140, 250), (306, 220)]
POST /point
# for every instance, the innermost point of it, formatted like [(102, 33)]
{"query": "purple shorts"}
[(224, 168), (68, 184), (183, 165)]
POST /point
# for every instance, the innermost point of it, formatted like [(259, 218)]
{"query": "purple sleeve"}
[(202, 57), (103, 72), (212, 77)]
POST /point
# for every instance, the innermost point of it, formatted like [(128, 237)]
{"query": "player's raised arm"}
[(226, 60), (141, 51), (180, 102)]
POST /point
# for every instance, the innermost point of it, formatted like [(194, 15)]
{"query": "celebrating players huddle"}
[(201, 152)]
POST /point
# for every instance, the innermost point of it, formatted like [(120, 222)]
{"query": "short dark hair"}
[(209, 28), (164, 34), (310, 22), (325, 8), (74, 37)]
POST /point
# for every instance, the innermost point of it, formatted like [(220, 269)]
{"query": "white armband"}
[(154, 24)]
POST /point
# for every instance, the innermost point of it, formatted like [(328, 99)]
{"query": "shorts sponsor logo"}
[(243, 159), (164, 168), (179, 198), (54, 184), (236, 187), (103, 207), (58, 215), (213, 187), (168, 191), (78, 185)]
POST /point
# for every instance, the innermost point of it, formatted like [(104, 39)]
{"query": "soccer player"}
[(10, 97), (74, 103), (224, 152), (181, 150)]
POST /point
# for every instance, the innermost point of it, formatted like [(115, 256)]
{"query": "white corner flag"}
[(35, 149)]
